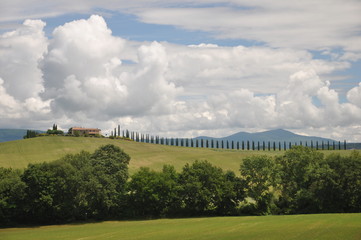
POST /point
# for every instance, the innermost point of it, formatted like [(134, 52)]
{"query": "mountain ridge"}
[(276, 135)]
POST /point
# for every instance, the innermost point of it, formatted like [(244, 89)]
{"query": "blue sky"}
[(183, 68)]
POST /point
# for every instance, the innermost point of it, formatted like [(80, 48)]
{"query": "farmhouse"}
[(84, 131)]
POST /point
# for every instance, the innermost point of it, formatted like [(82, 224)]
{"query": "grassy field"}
[(321, 226), (18, 154)]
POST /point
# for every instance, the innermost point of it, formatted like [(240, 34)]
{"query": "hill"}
[(278, 135), (12, 134), (18, 154)]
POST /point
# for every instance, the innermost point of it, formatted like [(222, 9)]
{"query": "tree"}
[(345, 193), (153, 194), (110, 166), (260, 176), (204, 189), (12, 194), (300, 169)]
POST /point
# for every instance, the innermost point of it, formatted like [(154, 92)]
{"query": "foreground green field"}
[(321, 226), (18, 154)]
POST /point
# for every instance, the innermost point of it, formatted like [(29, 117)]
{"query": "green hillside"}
[(312, 226), (19, 153)]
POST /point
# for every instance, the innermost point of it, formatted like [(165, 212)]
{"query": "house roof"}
[(88, 129)]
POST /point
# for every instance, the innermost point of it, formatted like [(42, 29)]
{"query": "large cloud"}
[(84, 75)]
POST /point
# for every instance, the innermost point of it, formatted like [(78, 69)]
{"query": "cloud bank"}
[(84, 75)]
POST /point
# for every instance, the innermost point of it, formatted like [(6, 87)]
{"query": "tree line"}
[(226, 144), (97, 186)]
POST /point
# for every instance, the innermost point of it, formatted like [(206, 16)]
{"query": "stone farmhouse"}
[(84, 131)]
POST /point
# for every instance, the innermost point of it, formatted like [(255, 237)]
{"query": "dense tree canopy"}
[(96, 186)]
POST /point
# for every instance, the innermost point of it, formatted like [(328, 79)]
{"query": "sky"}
[(182, 68)]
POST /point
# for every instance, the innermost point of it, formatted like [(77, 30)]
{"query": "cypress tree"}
[(242, 145), (344, 145), (237, 145), (258, 145), (274, 146), (339, 145), (269, 146), (253, 145), (222, 144), (264, 146)]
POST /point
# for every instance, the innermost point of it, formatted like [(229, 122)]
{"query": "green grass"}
[(18, 154), (321, 226)]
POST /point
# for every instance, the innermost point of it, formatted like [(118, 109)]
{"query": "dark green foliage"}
[(300, 170), (260, 176), (12, 194), (95, 186), (205, 189), (30, 134), (153, 194), (345, 192)]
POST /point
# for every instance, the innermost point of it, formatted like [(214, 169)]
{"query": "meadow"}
[(18, 154), (313, 226)]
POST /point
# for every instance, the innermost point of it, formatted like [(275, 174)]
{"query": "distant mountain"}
[(278, 135), (12, 134)]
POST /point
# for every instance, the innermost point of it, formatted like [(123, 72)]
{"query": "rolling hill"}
[(278, 135), (12, 134), (19, 153)]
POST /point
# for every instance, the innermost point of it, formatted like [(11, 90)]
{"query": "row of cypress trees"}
[(226, 144)]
